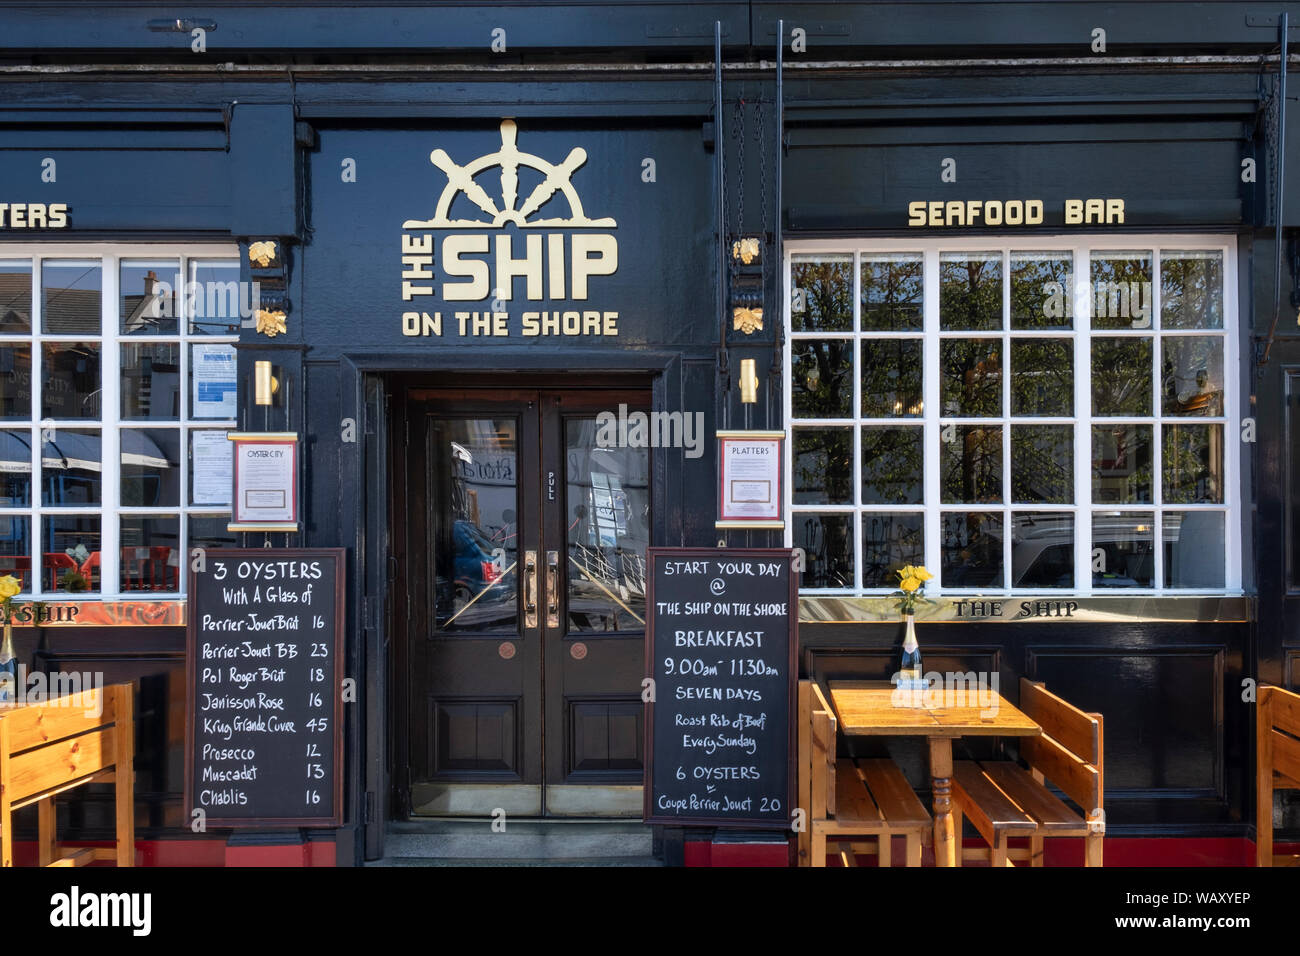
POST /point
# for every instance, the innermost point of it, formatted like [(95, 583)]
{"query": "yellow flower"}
[(921, 574), (9, 586), (910, 584)]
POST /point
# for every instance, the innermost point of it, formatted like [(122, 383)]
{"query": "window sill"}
[(1219, 607)]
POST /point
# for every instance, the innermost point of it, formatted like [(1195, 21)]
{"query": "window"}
[(117, 386), (1030, 416)]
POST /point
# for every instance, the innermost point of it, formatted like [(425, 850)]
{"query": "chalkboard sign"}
[(264, 669), (721, 646)]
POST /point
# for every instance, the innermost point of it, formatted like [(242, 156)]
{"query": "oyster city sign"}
[(555, 260)]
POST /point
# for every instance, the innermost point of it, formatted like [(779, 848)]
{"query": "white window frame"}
[(110, 339), (1081, 246)]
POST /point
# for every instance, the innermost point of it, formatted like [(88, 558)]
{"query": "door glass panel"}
[(607, 514), (474, 500)]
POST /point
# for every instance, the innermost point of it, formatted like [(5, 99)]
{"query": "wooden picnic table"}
[(871, 708)]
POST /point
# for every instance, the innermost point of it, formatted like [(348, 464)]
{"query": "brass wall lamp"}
[(265, 383), (748, 381)]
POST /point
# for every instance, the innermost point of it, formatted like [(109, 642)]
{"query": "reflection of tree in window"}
[(827, 295), (970, 293)]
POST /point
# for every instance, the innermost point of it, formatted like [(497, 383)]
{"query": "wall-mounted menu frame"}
[(722, 648), (300, 771), (264, 472), (750, 470)]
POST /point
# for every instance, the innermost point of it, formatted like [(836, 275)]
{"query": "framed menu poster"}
[(265, 476), (750, 467)]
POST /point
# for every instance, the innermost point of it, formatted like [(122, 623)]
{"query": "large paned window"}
[(1038, 416), (117, 386)]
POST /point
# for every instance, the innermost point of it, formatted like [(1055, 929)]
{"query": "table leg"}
[(945, 840)]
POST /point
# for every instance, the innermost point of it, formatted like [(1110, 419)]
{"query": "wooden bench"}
[(49, 747), (1005, 801), (1277, 739), (845, 798)]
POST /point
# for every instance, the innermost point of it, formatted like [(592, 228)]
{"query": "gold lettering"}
[(936, 213), (417, 245), (555, 264), (1115, 211), (1033, 212), (36, 214), (956, 213), (604, 262), (18, 215), (475, 270), (530, 267), (916, 213), (531, 325), (1094, 210), (1073, 212), (611, 323)]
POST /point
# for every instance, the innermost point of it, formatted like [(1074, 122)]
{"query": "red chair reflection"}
[(56, 562), (149, 569)]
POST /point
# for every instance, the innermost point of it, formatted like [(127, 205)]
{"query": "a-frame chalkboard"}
[(722, 649), (264, 675)]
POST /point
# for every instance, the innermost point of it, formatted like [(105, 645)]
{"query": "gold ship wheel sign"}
[(461, 180)]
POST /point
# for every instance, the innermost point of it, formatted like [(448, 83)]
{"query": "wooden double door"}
[(526, 521)]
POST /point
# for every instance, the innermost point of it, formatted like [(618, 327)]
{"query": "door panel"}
[(475, 735), (526, 659)]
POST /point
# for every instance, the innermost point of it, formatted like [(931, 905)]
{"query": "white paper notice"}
[(210, 458), (751, 475), (266, 481), (212, 372)]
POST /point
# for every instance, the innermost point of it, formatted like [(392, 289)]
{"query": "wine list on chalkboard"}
[(721, 648), (264, 742)]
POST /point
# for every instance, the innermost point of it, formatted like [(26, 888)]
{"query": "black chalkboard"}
[(264, 715), (721, 646)]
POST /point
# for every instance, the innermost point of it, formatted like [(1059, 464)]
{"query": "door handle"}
[(530, 589), (552, 589)]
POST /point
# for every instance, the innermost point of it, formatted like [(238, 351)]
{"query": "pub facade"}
[(1018, 294)]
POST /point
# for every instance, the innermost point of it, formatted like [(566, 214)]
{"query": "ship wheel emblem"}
[(461, 180)]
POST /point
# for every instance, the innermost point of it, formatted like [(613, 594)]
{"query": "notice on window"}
[(210, 466), (265, 494), (750, 493), (212, 372)]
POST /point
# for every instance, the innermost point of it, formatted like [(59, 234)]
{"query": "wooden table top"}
[(868, 708)]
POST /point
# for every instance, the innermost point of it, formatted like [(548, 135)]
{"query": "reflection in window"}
[(71, 467), (1192, 375), (890, 540), (16, 381), (1042, 550), (151, 381), (1121, 376), (892, 293), (822, 293), (971, 549), (15, 297), (1194, 548), (1042, 290), (1191, 290), (608, 506), (891, 378), (151, 471), (1042, 464), (827, 541), (970, 291), (1121, 290), (970, 465), (971, 386), (70, 387), (151, 555), (1123, 545), (71, 296), (823, 465), (1121, 464), (71, 562), (1192, 462), (891, 466), (1042, 377), (821, 379), (474, 493), (149, 291)]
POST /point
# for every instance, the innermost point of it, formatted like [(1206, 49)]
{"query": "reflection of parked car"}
[(475, 568)]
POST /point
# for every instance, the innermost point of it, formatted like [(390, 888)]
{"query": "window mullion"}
[(37, 544), (110, 440), (1083, 419), (1008, 580), (932, 522)]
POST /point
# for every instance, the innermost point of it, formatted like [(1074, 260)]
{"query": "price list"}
[(264, 690), (721, 653)]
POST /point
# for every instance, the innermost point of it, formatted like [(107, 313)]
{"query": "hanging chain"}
[(738, 133)]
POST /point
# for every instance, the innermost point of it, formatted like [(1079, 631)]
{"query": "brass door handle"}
[(530, 589), (552, 589)]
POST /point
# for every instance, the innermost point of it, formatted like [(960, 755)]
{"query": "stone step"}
[(520, 842)]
